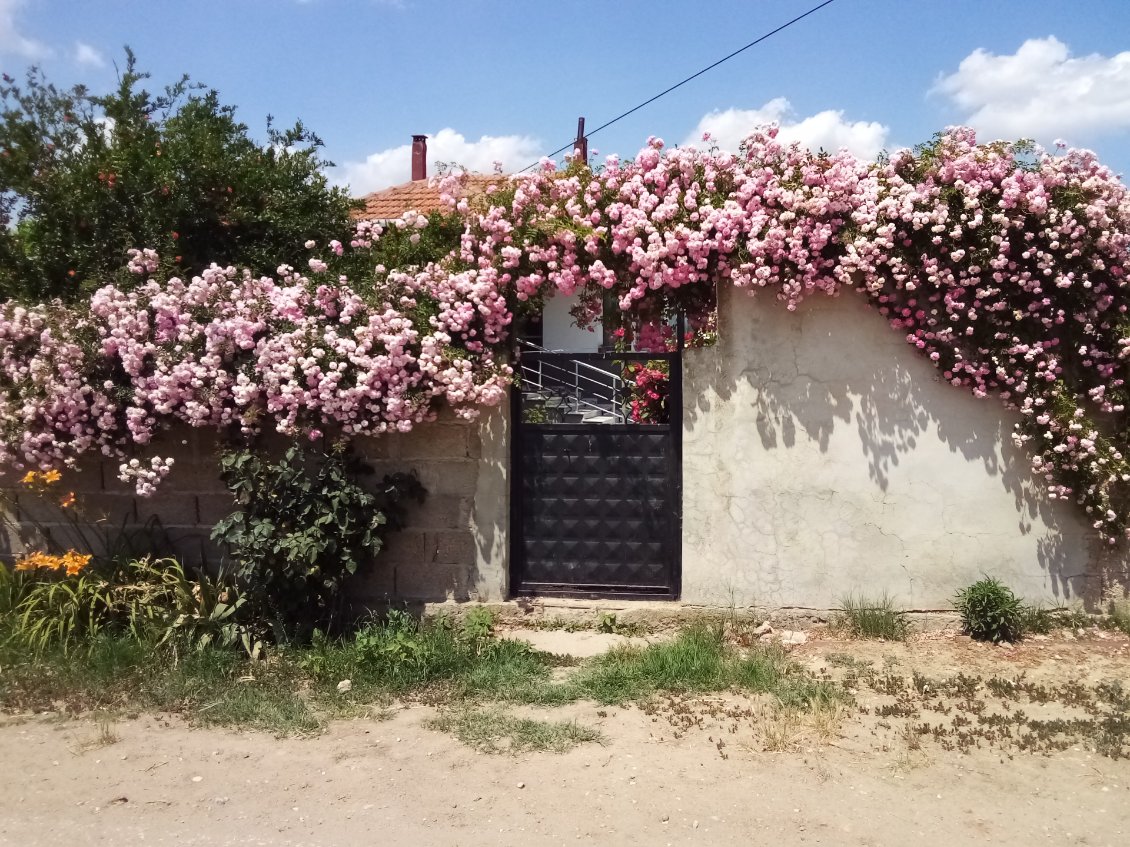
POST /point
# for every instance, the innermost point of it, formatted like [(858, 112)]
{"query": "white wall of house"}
[(823, 457), (561, 333)]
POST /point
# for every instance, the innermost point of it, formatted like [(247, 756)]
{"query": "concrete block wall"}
[(454, 546), (107, 511)]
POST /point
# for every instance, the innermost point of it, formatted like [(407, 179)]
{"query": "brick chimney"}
[(581, 145), (419, 157)]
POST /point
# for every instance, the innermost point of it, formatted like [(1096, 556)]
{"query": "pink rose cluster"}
[(228, 350)]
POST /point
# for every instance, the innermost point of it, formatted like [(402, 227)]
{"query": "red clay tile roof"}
[(420, 196)]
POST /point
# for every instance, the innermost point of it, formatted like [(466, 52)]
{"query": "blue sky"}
[(492, 80)]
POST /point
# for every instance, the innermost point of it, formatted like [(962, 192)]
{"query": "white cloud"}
[(826, 130), (1040, 91), (88, 56), (394, 165), (11, 40)]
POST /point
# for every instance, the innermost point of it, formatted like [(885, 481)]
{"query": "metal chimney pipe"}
[(419, 157)]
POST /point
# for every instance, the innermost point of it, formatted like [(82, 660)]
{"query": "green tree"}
[(84, 178)]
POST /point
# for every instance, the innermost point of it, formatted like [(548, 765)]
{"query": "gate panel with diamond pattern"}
[(596, 504)]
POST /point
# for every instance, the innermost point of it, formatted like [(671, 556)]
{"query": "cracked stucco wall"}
[(453, 548), (822, 457)]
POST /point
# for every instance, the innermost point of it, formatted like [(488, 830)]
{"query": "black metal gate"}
[(596, 493)]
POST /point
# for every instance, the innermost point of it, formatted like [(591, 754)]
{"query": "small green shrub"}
[(698, 659), (399, 652), (865, 617), (990, 611), (163, 605), (607, 622), (305, 524), (478, 623)]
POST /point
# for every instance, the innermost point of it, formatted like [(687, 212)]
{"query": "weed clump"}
[(866, 617), (990, 611)]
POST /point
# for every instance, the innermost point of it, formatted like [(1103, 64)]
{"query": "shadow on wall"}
[(453, 546), (835, 378)]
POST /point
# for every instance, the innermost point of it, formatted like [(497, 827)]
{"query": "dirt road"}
[(395, 781)]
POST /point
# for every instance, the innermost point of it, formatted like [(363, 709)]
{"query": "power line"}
[(753, 43)]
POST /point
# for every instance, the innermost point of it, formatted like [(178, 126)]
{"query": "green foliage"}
[(84, 178), (65, 613), (534, 413), (162, 605), (607, 622), (151, 601), (399, 652), (478, 622), (990, 611), (397, 655), (873, 617), (1041, 621), (396, 249), (209, 686), (12, 587), (304, 525)]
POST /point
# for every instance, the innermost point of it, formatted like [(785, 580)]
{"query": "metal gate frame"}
[(522, 431)]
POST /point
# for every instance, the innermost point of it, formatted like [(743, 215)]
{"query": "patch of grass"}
[(212, 686), (873, 617), (267, 705), (608, 623), (511, 671), (697, 660), (493, 731), (559, 624), (694, 661), (401, 655), (295, 690)]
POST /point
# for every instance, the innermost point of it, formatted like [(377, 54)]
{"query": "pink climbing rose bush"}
[(299, 353), (1005, 266)]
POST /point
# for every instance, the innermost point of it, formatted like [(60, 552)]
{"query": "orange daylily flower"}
[(70, 562)]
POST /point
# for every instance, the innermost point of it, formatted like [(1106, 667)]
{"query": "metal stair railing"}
[(586, 387)]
